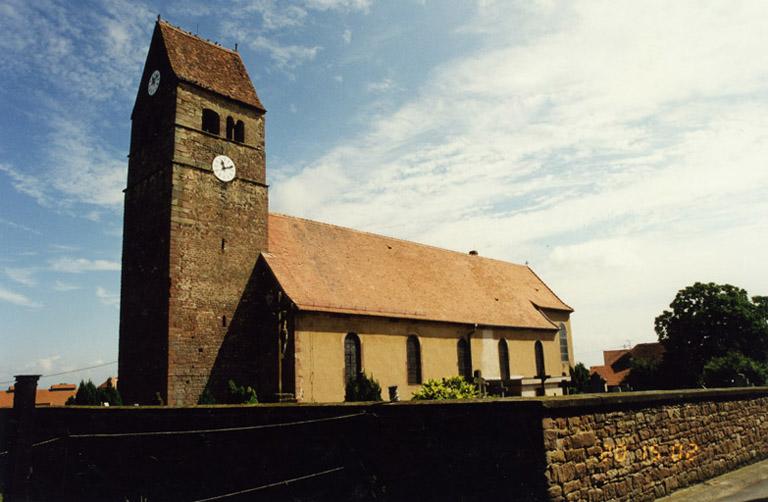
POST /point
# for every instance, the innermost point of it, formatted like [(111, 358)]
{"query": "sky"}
[(618, 148)]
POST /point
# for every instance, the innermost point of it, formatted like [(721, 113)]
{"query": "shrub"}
[(206, 397), (448, 388), (362, 388), (734, 370), (237, 394)]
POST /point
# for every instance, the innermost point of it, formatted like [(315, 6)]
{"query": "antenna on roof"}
[(197, 28), (235, 46)]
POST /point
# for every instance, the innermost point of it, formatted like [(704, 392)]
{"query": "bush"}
[(206, 397), (448, 388), (734, 370), (362, 388), (237, 394)]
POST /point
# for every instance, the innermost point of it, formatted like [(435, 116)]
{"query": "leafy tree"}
[(448, 388), (708, 321), (644, 374), (734, 370), (579, 380), (362, 388)]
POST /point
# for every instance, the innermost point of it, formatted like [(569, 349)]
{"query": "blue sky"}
[(619, 148)]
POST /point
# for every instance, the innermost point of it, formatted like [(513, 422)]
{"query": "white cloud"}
[(347, 36), (17, 299), (79, 265), (22, 275), (64, 286), (284, 56), (106, 297), (78, 170), (600, 141), (46, 364), (383, 85)]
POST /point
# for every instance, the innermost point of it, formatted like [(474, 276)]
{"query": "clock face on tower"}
[(154, 83), (223, 168)]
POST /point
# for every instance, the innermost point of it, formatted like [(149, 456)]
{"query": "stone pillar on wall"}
[(20, 440)]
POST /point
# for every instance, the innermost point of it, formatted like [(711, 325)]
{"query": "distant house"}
[(55, 395), (617, 364)]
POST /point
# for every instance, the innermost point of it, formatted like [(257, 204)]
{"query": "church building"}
[(216, 288)]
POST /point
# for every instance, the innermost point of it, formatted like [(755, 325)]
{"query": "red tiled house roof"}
[(616, 365), (55, 395), (328, 268)]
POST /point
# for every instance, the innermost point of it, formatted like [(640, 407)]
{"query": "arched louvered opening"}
[(230, 128), (352, 364), (503, 359), (211, 121), (240, 132), (413, 360), (539, 349), (464, 359), (563, 335)]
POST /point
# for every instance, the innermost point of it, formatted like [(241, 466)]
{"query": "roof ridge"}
[(196, 37), (406, 241), (547, 286)]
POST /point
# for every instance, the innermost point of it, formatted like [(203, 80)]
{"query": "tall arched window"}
[(539, 349), (563, 335), (352, 366), (464, 359), (240, 132), (210, 121), (503, 359), (230, 128), (413, 360)]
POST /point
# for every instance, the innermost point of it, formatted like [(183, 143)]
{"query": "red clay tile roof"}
[(329, 268), (617, 362), (208, 65), (55, 395)]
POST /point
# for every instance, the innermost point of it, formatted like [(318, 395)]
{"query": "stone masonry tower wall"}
[(190, 240)]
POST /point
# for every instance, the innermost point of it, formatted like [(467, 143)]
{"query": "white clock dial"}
[(154, 82), (223, 168)]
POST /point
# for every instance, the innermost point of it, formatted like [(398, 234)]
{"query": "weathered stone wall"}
[(642, 446)]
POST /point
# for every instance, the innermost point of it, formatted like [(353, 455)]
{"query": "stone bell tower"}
[(195, 223)]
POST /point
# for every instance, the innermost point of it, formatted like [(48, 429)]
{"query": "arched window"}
[(503, 359), (464, 359), (240, 132), (210, 121), (563, 335), (413, 360), (539, 349), (352, 366), (230, 128)]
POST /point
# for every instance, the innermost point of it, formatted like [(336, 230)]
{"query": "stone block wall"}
[(642, 446)]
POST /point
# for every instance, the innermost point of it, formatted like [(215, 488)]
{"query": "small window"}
[(539, 349), (210, 121), (503, 359), (240, 132), (413, 360), (464, 359), (230, 128), (563, 335), (352, 366)]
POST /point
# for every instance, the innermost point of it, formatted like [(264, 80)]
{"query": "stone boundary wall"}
[(641, 446), (628, 446)]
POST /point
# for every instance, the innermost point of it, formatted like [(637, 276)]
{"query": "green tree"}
[(579, 380), (734, 370), (448, 388), (86, 395), (707, 321), (644, 374), (362, 388)]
